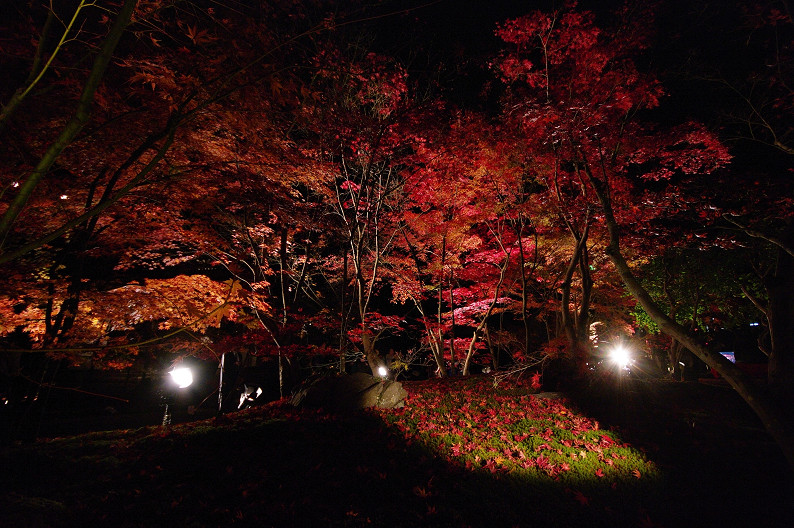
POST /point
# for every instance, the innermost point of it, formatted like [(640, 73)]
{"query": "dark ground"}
[(721, 469)]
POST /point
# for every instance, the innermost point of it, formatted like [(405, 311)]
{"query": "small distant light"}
[(64, 197), (383, 372), (753, 324), (182, 376), (15, 184)]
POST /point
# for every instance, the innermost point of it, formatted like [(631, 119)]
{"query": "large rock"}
[(550, 395), (349, 392)]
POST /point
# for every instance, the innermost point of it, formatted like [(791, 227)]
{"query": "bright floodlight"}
[(383, 371), (620, 356), (182, 376)]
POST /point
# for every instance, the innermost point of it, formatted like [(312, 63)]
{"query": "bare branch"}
[(758, 234)]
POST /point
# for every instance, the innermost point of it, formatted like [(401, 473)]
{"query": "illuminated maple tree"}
[(262, 175), (134, 197), (579, 91)]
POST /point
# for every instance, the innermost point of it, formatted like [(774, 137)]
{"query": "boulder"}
[(550, 395), (349, 392)]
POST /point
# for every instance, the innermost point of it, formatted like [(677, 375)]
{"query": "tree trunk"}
[(75, 124), (282, 263), (524, 283), (770, 415), (470, 350), (780, 315), (453, 367), (343, 315), (674, 358), (370, 352), (437, 348), (583, 317), (36, 69), (486, 315), (494, 351), (576, 328)]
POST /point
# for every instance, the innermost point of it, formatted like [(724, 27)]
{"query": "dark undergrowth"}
[(461, 453)]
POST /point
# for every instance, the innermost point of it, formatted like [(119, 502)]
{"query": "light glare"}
[(182, 376), (383, 372), (620, 356)]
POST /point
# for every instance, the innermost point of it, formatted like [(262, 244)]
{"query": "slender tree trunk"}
[(343, 313), (470, 351), (674, 357), (486, 315), (575, 328), (437, 348), (370, 352), (780, 316), (439, 343), (282, 262), (524, 283), (583, 317), (494, 351), (524, 297), (367, 339), (770, 415), (76, 124), (436, 336), (674, 350), (453, 368)]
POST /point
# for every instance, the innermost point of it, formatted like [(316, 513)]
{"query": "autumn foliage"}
[(282, 179)]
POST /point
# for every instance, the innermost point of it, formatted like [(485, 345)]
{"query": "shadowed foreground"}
[(459, 454)]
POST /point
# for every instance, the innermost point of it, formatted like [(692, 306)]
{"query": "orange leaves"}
[(197, 36), (114, 358), (192, 300), (15, 312)]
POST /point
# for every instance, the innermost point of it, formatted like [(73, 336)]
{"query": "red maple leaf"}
[(581, 498)]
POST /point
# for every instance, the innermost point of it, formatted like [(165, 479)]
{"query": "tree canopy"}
[(357, 180)]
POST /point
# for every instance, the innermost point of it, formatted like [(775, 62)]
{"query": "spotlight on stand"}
[(181, 377)]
